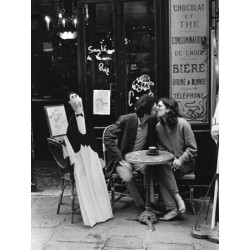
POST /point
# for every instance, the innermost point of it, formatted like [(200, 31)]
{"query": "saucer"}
[(153, 153)]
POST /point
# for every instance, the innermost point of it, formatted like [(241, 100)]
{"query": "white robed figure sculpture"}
[(83, 152)]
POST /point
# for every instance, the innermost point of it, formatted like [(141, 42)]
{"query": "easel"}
[(216, 192), (204, 231), (57, 121)]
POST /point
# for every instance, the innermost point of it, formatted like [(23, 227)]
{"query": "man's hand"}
[(125, 164), (177, 165)]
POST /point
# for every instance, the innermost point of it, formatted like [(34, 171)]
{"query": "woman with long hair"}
[(175, 135)]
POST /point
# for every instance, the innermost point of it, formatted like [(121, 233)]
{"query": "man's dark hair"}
[(173, 113), (144, 105)]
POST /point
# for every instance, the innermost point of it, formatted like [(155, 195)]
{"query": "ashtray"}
[(152, 153)]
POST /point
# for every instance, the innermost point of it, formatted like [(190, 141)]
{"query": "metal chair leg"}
[(159, 198), (192, 197), (112, 185), (72, 201), (61, 196)]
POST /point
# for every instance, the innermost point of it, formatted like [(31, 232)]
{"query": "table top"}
[(141, 156)]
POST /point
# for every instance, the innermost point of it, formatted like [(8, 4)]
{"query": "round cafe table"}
[(143, 156)]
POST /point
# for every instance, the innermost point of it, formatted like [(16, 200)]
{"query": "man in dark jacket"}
[(131, 132)]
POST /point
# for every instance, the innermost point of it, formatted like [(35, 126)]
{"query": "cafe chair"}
[(187, 180), (114, 181), (67, 175)]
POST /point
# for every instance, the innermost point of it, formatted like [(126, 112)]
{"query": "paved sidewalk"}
[(51, 231)]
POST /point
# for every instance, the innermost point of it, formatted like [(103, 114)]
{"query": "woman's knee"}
[(124, 173), (126, 178)]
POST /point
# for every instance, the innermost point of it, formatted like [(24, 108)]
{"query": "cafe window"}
[(139, 50), (100, 60), (125, 31), (53, 59)]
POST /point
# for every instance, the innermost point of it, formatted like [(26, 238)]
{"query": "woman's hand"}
[(177, 165)]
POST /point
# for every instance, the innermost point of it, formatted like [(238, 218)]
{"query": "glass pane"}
[(140, 50), (100, 52), (53, 61)]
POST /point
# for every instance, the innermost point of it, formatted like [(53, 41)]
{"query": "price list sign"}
[(189, 58)]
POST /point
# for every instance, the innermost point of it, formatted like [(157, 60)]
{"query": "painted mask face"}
[(75, 102), (72, 96)]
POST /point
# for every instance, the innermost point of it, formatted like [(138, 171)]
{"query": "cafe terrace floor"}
[(55, 231)]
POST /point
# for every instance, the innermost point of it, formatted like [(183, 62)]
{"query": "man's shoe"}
[(170, 215)]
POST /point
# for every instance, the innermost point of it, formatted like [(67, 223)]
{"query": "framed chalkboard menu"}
[(57, 120), (189, 58)]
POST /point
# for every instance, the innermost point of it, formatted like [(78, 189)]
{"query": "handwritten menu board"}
[(189, 58), (57, 119)]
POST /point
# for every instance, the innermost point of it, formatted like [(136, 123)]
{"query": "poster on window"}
[(101, 103), (189, 58)]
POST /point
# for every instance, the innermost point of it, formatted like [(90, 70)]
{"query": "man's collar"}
[(139, 122), (142, 125)]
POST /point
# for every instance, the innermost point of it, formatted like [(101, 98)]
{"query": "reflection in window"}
[(140, 50)]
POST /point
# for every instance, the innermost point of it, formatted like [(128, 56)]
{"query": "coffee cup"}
[(152, 150)]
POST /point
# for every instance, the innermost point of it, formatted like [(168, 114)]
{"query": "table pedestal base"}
[(148, 217), (140, 156)]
